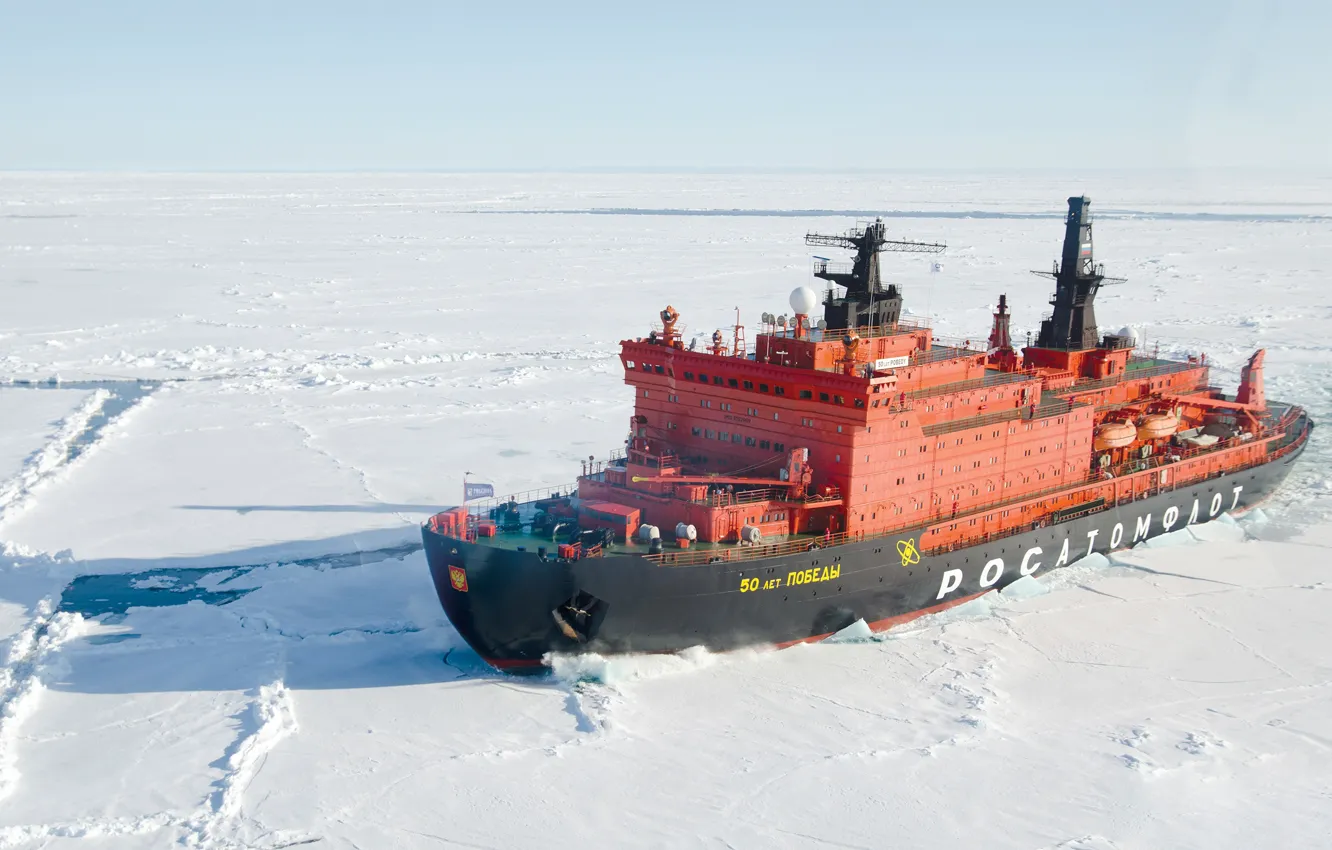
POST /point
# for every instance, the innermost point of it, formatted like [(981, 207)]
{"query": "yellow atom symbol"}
[(907, 549)]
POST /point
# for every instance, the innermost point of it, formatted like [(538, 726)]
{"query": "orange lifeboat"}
[(1114, 435), (1155, 426)]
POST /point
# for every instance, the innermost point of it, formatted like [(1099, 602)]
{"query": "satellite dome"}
[(803, 300), (1128, 332)]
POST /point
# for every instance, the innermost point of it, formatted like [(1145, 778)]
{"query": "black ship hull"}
[(513, 607)]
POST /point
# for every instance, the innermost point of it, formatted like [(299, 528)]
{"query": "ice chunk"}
[(1025, 587), (1183, 537), (857, 631), (1222, 530)]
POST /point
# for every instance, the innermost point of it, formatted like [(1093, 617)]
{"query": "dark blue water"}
[(113, 594)]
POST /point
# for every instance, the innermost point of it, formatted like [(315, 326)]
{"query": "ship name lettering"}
[(815, 574), (731, 417), (1063, 554), (987, 579), (1142, 528), (1091, 539), (1171, 517), (749, 585), (1193, 514), (1216, 505), (1028, 567), (1235, 502), (952, 580), (1117, 535)]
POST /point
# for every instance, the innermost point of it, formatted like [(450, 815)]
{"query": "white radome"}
[(803, 300), (1128, 332)]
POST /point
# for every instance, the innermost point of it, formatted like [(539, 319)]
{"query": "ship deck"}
[(526, 541)]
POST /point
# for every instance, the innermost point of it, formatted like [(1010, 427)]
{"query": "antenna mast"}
[(867, 302)]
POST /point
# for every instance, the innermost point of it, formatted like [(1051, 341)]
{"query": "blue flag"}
[(478, 491)]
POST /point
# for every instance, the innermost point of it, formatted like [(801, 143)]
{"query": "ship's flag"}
[(477, 491)]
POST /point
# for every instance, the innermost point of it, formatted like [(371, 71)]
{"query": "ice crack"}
[(21, 679)]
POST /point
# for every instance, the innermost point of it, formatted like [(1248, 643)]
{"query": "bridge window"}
[(779, 390), (806, 394), (718, 380), (647, 367), (689, 376), (750, 441), (860, 402), (735, 438), (724, 436), (710, 433), (839, 400), (628, 364), (765, 444), (733, 383), (660, 370), (763, 388), (702, 379), (696, 431), (749, 385), (823, 396), (704, 402), (779, 447)]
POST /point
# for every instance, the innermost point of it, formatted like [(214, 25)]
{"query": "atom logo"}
[(910, 554)]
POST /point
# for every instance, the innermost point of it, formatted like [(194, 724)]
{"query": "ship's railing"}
[(1134, 375), (1293, 441), (722, 499), (940, 514), (483, 507), (992, 379)]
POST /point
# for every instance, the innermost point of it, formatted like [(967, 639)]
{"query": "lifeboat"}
[(1155, 426), (1114, 435)]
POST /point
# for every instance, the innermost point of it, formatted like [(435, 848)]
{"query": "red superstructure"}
[(859, 431), (856, 468)]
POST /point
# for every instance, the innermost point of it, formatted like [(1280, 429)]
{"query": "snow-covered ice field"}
[(218, 629)]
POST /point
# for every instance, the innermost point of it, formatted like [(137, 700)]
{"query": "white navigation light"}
[(803, 300)]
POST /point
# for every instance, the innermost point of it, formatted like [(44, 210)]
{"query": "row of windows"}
[(738, 439), (734, 383)]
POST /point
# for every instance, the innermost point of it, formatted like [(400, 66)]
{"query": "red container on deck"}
[(485, 528), (622, 520)]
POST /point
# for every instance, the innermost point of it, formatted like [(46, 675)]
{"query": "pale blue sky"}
[(886, 85)]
